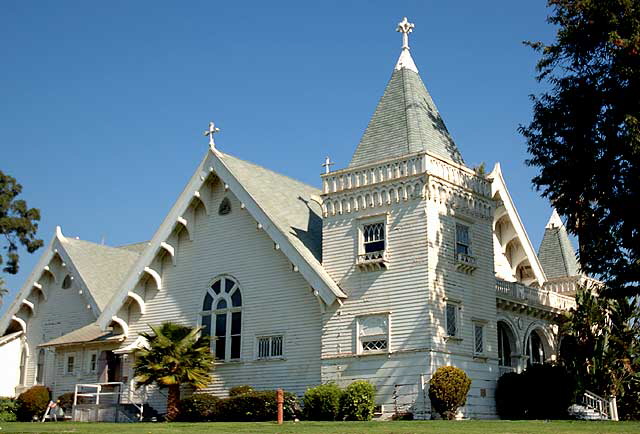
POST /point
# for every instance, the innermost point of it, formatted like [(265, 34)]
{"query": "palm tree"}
[(176, 355)]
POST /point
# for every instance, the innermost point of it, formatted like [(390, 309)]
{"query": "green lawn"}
[(462, 427)]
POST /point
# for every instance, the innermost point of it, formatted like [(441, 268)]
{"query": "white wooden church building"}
[(404, 261)]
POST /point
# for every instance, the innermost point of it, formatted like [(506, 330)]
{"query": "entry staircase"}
[(595, 407), (111, 402)]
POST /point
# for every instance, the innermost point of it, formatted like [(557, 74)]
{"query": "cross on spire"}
[(405, 27), (327, 164), (210, 132)]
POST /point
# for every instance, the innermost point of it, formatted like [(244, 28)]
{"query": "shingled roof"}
[(405, 121), (556, 254), (102, 268)]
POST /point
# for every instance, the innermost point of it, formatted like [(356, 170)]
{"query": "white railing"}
[(98, 387), (505, 370), (534, 296), (466, 262), (607, 408), (120, 393)]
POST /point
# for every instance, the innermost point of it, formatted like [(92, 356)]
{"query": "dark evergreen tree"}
[(585, 133), (18, 223)]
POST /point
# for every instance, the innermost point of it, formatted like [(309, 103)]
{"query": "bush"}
[(65, 401), (32, 402), (257, 406), (240, 390), (8, 409), (322, 402), (200, 407), (448, 391), (550, 392), (509, 398), (357, 402)]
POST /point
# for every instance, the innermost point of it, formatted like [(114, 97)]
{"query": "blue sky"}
[(104, 103)]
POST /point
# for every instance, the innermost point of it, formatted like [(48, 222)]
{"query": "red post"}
[(280, 401)]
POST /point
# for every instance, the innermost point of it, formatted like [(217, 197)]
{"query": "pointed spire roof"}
[(406, 119), (556, 253)]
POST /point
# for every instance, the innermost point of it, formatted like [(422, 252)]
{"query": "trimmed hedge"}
[(8, 409), (251, 406), (357, 402), (550, 390), (448, 389), (200, 407), (322, 402), (32, 402)]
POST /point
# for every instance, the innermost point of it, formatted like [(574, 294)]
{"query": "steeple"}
[(406, 119), (556, 254)]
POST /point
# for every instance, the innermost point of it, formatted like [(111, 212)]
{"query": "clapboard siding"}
[(63, 311), (275, 299)]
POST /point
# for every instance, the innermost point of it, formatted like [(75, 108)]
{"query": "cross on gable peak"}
[(210, 132)]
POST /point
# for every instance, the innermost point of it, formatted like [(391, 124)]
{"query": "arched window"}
[(221, 317), (66, 283), (23, 366), (40, 367), (535, 349), (504, 345)]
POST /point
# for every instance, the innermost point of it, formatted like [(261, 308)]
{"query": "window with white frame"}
[(373, 333), (270, 347), (221, 317), (478, 338), (93, 361), (452, 319), (40, 366), (372, 242), (463, 240), (70, 366)]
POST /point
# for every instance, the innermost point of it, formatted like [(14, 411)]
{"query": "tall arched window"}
[(40, 367), (504, 345), (221, 317), (23, 365), (535, 349)]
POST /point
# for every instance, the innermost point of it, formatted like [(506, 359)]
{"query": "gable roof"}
[(90, 333), (282, 206), (405, 121), (556, 253), (102, 268), (499, 186), (288, 202)]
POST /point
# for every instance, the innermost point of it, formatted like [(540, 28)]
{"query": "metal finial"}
[(210, 132), (327, 164), (405, 27)]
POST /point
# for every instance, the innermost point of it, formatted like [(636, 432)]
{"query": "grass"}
[(461, 427)]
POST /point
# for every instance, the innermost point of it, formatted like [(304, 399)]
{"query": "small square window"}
[(478, 333), (71, 364), (452, 319), (270, 347), (373, 334)]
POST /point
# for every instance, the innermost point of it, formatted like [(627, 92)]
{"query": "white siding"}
[(274, 298), (10, 354)]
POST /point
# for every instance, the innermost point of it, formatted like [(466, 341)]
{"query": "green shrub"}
[(257, 406), (357, 402), (509, 399), (8, 409), (65, 401), (199, 407), (448, 391), (322, 402), (32, 402), (240, 390)]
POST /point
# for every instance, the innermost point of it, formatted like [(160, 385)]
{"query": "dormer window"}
[(372, 243)]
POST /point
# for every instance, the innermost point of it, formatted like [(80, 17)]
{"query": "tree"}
[(176, 355), (17, 223), (585, 133), (601, 344)]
